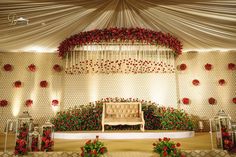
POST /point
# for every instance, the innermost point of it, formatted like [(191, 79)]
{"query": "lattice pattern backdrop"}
[(73, 90), (41, 109)]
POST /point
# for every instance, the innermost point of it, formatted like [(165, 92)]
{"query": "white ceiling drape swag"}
[(198, 24), (110, 58)]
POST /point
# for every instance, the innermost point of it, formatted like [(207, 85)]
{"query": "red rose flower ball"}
[(8, 67), (32, 68), (196, 82), (57, 68), (208, 66), (43, 84), (3, 103), (234, 100), (182, 67), (221, 82), (185, 101), (55, 102), (212, 101), (29, 103), (17, 84), (231, 66)]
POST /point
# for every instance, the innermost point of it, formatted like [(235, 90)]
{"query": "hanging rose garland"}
[(186, 101), (120, 34), (182, 67), (17, 84), (55, 102), (8, 67), (32, 68), (28, 103), (221, 82), (212, 101), (231, 66), (57, 68), (234, 100), (208, 66), (196, 82), (43, 84), (3, 103)]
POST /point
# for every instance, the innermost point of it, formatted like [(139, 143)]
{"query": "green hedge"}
[(88, 117)]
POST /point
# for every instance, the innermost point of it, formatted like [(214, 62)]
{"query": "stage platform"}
[(124, 134), (193, 153)]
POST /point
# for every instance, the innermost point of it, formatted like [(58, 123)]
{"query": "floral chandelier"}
[(120, 50)]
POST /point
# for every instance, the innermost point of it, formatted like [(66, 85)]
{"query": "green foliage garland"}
[(88, 117)]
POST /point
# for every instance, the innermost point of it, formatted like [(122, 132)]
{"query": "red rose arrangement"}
[(140, 35), (55, 102), (231, 66), (8, 67), (227, 139), (93, 148), (182, 67), (34, 144), (185, 101), (17, 84), (234, 100), (47, 142), (3, 103), (208, 66), (195, 82), (29, 103), (43, 84), (166, 148), (32, 68), (212, 101), (221, 82), (57, 68), (21, 142)]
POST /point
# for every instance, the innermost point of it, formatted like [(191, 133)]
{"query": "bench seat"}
[(122, 113)]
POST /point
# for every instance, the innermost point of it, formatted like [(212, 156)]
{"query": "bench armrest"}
[(142, 115), (103, 113)]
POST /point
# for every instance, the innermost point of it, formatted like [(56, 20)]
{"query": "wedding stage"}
[(124, 134), (197, 145)]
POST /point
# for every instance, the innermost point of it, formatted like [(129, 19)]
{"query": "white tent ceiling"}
[(198, 24)]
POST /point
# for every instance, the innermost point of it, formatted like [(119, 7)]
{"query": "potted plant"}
[(94, 148), (166, 148)]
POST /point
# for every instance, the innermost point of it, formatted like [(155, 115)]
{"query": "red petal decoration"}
[(208, 66)]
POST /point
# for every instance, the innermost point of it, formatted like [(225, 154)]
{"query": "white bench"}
[(122, 113)]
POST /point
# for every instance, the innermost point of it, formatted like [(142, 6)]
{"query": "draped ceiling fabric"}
[(198, 24)]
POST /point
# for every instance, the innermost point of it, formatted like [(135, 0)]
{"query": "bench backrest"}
[(122, 109)]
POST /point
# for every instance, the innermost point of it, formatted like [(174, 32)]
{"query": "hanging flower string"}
[(120, 35), (121, 66)]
